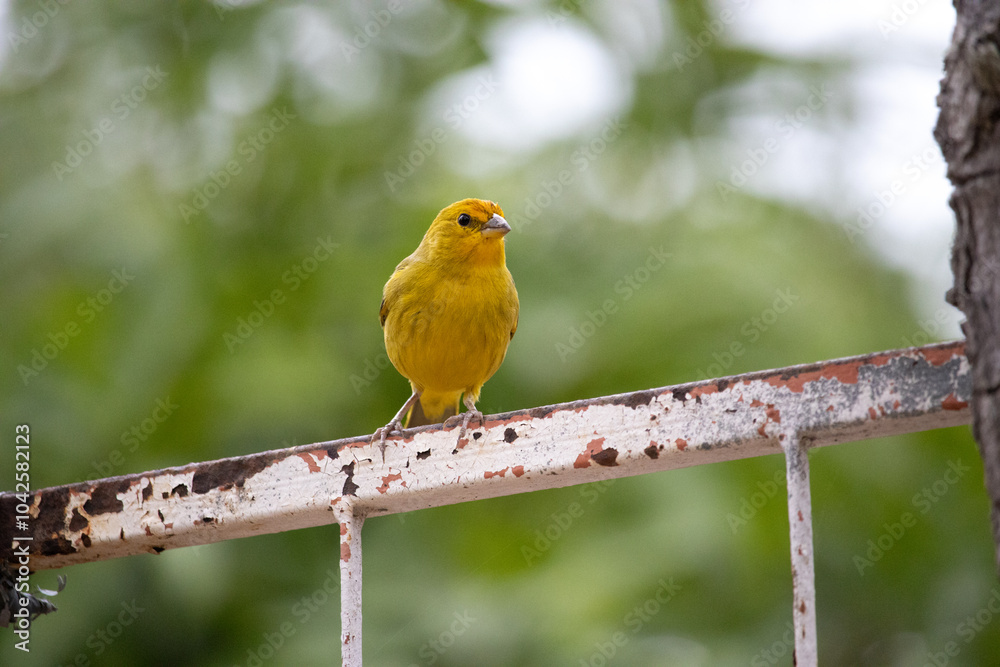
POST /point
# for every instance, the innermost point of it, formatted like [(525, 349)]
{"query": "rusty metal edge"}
[(51, 547)]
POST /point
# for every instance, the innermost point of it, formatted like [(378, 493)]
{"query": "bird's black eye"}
[(464, 219)]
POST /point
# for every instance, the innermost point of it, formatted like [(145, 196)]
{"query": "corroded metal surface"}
[(800, 537), (614, 436), (350, 582)]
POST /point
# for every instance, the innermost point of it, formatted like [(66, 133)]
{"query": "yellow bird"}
[(448, 313)]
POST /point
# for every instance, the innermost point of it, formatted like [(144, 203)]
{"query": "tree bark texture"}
[(968, 131)]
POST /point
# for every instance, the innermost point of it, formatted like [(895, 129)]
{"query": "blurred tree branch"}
[(969, 135)]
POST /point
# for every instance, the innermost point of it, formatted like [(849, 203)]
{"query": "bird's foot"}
[(382, 433), (466, 417)]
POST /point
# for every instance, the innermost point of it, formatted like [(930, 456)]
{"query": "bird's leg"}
[(395, 425), (470, 412)]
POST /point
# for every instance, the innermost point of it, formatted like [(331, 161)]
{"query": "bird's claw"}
[(466, 417), (382, 433)]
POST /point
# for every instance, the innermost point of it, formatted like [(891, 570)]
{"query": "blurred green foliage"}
[(229, 163)]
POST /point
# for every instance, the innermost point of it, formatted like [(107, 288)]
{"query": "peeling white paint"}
[(616, 436)]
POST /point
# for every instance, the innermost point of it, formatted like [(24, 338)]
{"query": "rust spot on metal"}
[(802, 607), (540, 412), (104, 497), (227, 473), (635, 399), (951, 402), (350, 488), (796, 381), (704, 390), (842, 371), (509, 435), (423, 455), (343, 529), (606, 457), (593, 447), (78, 522), (386, 479), (772, 416), (517, 470), (181, 490), (895, 406), (56, 546), (942, 355), (355, 444), (499, 473), (345, 552), (147, 491), (681, 443), (756, 403), (872, 413), (830, 409), (310, 461), (651, 451), (520, 416)]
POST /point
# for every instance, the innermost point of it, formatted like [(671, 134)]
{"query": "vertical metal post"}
[(350, 584), (801, 537)]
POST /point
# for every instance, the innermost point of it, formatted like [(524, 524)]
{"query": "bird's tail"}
[(433, 408)]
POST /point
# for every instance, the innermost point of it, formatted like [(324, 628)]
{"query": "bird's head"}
[(470, 230)]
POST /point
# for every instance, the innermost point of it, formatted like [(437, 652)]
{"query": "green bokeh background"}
[(468, 584)]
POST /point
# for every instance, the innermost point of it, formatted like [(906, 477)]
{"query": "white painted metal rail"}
[(346, 481)]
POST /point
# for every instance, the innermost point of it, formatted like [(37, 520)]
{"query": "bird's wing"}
[(388, 294), (517, 308)]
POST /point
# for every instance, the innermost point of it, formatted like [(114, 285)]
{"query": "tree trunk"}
[(968, 131)]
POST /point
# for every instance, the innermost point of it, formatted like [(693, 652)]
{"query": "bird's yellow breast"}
[(449, 331)]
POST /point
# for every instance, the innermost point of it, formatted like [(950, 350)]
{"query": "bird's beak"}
[(495, 227)]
